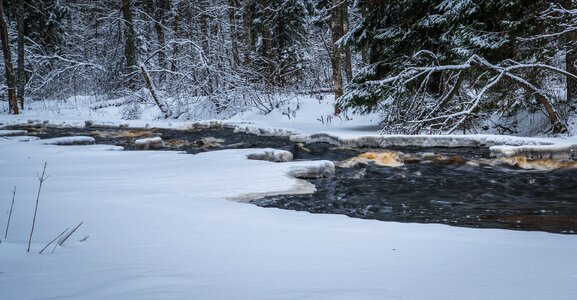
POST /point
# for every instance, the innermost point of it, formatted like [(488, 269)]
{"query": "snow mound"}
[(210, 124), (22, 138), (557, 152), (264, 131), (12, 132), (323, 168), (536, 164), (99, 124), (69, 140), (272, 155), (148, 143), (384, 141)]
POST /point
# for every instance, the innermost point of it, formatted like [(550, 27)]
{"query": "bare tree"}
[(336, 31), (130, 42), (21, 74), (233, 28), (247, 28), (12, 100)]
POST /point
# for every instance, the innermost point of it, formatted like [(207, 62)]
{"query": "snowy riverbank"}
[(159, 226)]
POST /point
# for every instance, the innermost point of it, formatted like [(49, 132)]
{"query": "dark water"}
[(433, 192), (192, 141), (460, 195)]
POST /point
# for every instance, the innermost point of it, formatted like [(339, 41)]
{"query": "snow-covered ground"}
[(161, 225)]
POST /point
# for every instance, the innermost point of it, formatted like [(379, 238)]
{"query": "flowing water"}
[(456, 186)]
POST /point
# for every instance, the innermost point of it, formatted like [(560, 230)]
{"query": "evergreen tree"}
[(442, 65)]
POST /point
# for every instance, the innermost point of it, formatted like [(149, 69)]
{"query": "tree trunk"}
[(266, 47), (232, 7), (347, 50), (364, 51), (175, 48), (570, 61), (21, 75), (247, 28), (12, 100), (130, 46), (161, 9), (336, 30), (163, 109), (204, 28)]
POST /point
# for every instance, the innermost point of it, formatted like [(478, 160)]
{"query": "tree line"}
[(190, 55), (428, 66)]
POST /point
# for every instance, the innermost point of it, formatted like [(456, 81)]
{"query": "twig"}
[(10, 214), (41, 178), (64, 238), (52, 241)]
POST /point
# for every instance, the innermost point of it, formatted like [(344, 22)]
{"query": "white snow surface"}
[(273, 155), (160, 225), (69, 140), (147, 143)]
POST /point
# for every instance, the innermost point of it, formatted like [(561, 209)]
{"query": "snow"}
[(148, 143), (163, 225), (556, 151), (160, 227), (272, 155), (69, 140)]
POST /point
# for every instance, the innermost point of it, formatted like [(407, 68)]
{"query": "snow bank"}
[(101, 124), (21, 138), (149, 143), (160, 228), (12, 132), (208, 124), (384, 141), (321, 169), (272, 155), (263, 131), (557, 152), (69, 140)]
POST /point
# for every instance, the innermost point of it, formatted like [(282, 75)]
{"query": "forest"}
[(426, 66)]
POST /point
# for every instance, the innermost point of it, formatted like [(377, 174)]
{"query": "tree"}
[(130, 43), (12, 100), (21, 74), (336, 31), (445, 65)]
